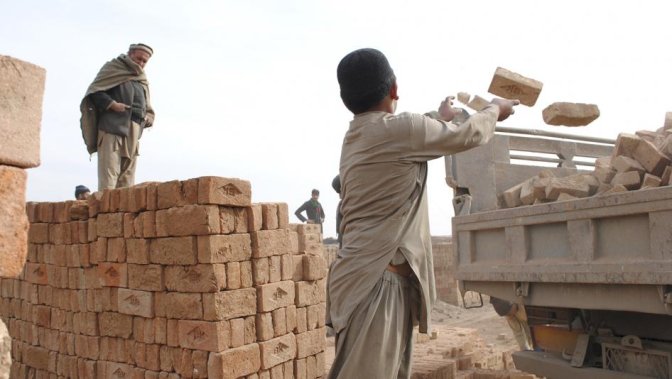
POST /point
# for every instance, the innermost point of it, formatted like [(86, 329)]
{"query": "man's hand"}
[(446, 110), (118, 107), (505, 107)]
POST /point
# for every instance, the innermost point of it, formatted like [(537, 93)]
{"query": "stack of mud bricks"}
[(21, 89), (461, 353), (309, 274), (639, 161), (444, 270), (183, 279)]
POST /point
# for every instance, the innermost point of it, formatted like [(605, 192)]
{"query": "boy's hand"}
[(446, 110), (505, 107)]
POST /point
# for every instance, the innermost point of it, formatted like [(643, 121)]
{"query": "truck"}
[(593, 274)]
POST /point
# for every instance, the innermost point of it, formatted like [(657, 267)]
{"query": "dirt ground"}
[(481, 328)]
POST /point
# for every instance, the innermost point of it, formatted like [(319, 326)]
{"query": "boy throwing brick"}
[(382, 281)]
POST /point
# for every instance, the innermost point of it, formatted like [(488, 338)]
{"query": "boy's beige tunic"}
[(383, 174)]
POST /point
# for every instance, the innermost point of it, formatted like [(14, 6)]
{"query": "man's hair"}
[(80, 189), (365, 78), (315, 192)]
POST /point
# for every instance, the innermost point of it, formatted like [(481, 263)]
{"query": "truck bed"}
[(609, 252)]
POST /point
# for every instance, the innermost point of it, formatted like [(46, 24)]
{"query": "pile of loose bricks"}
[(21, 89), (166, 280), (639, 161)]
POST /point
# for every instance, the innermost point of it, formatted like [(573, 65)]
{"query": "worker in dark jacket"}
[(313, 210), (117, 107)]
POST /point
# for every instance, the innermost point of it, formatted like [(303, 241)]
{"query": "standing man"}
[(382, 282), (313, 210), (115, 110)]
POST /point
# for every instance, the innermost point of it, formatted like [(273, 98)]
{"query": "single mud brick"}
[(233, 275), (275, 295), (310, 343), (116, 250), (227, 220), (204, 335), (626, 144), (574, 185), (200, 364), (264, 326), (478, 103), (667, 174), (234, 363), (230, 304), (511, 85), (195, 278), (110, 225), (463, 97), (311, 292), (293, 242), (237, 332), (148, 220), (224, 248), (283, 215), (653, 160), (240, 218), (630, 180), (254, 217), (279, 322), (290, 318), (87, 347), (115, 200), (137, 250), (246, 276), (160, 330), (137, 303), (511, 197), (173, 251), (113, 274), (188, 220), (129, 225), (614, 189), (269, 214), (313, 316), (179, 305), (300, 368), (565, 197), (650, 181), (260, 271), (277, 351), (306, 228), (250, 330), (623, 163), (269, 242), (287, 266), (570, 114), (38, 233), (604, 174), (314, 267), (169, 194), (36, 273), (224, 191), (274, 269), (20, 112), (311, 367), (172, 337), (79, 211), (115, 324)]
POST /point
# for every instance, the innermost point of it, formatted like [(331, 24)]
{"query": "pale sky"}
[(248, 89)]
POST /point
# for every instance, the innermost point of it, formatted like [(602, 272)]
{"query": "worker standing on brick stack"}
[(382, 281), (313, 210), (115, 110)]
